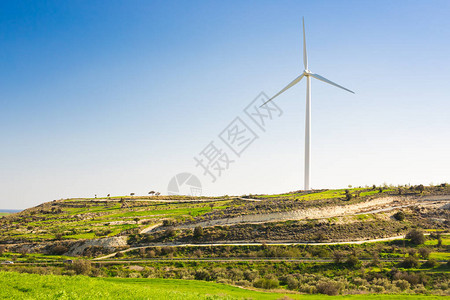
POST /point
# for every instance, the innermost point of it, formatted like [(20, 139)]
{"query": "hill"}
[(322, 241)]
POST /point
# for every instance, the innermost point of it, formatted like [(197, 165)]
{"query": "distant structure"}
[(308, 74)]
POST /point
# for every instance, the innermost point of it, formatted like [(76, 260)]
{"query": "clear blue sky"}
[(116, 97)]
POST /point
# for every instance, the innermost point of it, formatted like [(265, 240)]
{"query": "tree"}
[(416, 236), (136, 220), (131, 194), (109, 195), (198, 231), (151, 192), (157, 193), (211, 205), (2, 250)]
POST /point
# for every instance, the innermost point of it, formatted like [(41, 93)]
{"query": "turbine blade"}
[(294, 82), (305, 55), (317, 76)]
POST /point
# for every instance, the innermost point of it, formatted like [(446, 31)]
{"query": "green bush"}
[(352, 262), (82, 267), (416, 236), (424, 253), (409, 262), (399, 216), (402, 284), (266, 283), (198, 232), (328, 287), (431, 263)]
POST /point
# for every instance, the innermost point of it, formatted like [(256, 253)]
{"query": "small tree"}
[(136, 220), (109, 195), (157, 193), (2, 250), (131, 194), (416, 236), (211, 205), (198, 232), (151, 193)]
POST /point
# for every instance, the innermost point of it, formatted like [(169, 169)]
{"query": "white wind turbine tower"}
[(308, 74)]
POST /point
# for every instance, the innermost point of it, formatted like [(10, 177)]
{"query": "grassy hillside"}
[(32, 286), (298, 242), (92, 218)]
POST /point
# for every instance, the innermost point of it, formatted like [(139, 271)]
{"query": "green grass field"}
[(4, 214), (33, 286)]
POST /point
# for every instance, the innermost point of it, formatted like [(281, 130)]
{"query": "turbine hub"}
[(306, 72)]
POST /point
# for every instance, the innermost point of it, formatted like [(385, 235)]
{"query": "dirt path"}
[(230, 243), (369, 207), (150, 228)]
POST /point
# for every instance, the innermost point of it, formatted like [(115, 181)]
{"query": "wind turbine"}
[(308, 74)]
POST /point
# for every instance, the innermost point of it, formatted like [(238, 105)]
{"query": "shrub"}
[(168, 222), (198, 231), (424, 253), (170, 232), (402, 284), (59, 250), (291, 282), (250, 275), (431, 263), (2, 250), (409, 262), (202, 274), (420, 188), (416, 236), (352, 261), (348, 195), (243, 282), (399, 216), (338, 256), (308, 289), (266, 283), (83, 267), (328, 287)]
